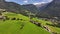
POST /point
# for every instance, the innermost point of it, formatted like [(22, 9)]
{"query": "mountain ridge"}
[(52, 9)]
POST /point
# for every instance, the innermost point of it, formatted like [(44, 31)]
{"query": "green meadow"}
[(14, 26), (24, 26)]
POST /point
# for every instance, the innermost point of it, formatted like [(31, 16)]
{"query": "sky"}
[(29, 1)]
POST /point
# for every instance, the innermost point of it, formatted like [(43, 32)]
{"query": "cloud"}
[(47, 0), (38, 3), (43, 1), (25, 1), (30, 1)]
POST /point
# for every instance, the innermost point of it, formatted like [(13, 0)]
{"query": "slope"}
[(32, 8), (19, 26), (52, 9)]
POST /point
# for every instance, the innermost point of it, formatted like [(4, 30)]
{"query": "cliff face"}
[(52, 9)]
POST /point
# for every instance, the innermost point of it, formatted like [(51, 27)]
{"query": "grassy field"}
[(43, 22), (15, 26)]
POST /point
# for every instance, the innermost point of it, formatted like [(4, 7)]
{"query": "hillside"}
[(29, 18), (41, 6), (49, 10), (20, 26), (17, 8), (32, 8), (12, 7), (52, 9)]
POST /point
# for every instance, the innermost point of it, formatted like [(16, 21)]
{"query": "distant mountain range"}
[(41, 6), (43, 10), (11, 6), (52, 9), (32, 8)]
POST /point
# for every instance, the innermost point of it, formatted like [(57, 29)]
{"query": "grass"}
[(13, 26), (43, 22), (54, 29)]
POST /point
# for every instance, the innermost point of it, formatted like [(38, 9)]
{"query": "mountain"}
[(41, 6), (17, 8), (31, 7), (51, 10), (35, 8), (12, 7)]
